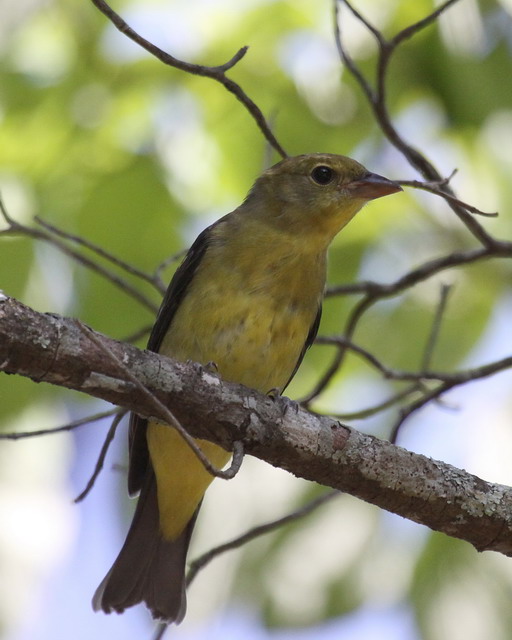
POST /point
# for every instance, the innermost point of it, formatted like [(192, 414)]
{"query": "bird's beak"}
[(372, 186)]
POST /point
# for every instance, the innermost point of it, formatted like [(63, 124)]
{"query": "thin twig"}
[(217, 73), (345, 343), (378, 408), (414, 28), (5, 214), (407, 412), (337, 361), (373, 30), (460, 377), (157, 276), (67, 427), (377, 100), (15, 228), (199, 564), (445, 380), (101, 458), (374, 292), (137, 335), (83, 242), (434, 188), (449, 382), (429, 348), (436, 327), (347, 59), (423, 272), (167, 414)]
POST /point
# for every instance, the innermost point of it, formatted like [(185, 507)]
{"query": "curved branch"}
[(70, 426), (374, 291), (426, 270), (378, 102), (101, 458), (52, 348), (435, 188), (199, 563), (52, 237), (217, 73)]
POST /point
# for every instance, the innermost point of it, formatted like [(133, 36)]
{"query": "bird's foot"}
[(286, 403), (212, 367), (209, 367)]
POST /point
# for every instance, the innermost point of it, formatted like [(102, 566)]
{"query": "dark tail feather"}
[(148, 568)]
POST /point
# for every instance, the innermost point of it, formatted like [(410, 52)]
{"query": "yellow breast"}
[(248, 310), (250, 316)]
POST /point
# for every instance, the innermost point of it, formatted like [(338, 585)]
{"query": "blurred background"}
[(107, 143)]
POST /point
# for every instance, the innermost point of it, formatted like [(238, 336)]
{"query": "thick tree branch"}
[(50, 348)]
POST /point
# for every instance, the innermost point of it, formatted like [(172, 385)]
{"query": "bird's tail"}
[(148, 568)]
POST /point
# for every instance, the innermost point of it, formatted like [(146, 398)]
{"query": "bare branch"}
[(67, 427), (376, 291), (15, 228), (460, 377), (406, 412), (101, 458), (436, 327), (434, 188), (200, 563), (414, 28), (217, 73), (137, 335), (83, 242), (359, 16), (380, 407), (157, 277), (347, 59), (337, 361), (377, 100), (54, 349)]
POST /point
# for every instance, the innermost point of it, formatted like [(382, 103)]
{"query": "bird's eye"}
[(323, 175)]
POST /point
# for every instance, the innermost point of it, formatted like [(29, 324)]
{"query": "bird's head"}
[(317, 193)]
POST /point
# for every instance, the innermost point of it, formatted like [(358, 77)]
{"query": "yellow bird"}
[(248, 298)]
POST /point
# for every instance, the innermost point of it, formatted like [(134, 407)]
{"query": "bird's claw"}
[(286, 403), (209, 367)]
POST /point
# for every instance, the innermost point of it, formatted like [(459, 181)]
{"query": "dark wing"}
[(309, 341), (177, 289), (139, 455)]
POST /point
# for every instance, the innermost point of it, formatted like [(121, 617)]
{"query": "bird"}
[(247, 298)]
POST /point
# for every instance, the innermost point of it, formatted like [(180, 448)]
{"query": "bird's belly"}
[(251, 339)]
